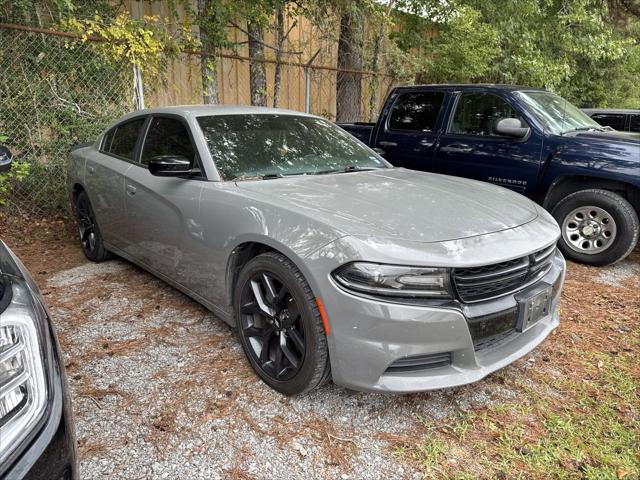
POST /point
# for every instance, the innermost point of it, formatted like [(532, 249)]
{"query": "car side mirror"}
[(511, 127), (5, 159), (171, 166)]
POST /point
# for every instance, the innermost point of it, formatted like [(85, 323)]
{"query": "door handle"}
[(457, 148), (131, 190), (379, 151), (90, 169), (385, 143)]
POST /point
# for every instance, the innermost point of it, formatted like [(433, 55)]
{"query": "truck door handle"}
[(385, 143), (457, 148), (131, 190), (90, 170)]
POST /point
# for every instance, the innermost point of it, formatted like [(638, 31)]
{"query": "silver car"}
[(328, 261)]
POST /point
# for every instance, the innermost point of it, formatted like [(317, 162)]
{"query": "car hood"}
[(398, 203), (612, 136)]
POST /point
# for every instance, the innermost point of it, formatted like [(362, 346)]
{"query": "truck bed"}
[(361, 130)]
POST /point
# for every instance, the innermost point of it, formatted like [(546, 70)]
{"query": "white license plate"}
[(533, 307)]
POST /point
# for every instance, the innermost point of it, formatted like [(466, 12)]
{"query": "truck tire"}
[(598, 227)]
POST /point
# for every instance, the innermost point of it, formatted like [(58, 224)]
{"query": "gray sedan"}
[(328, 261)]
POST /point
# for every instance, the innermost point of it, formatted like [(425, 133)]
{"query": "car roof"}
[(208, 110), (611, 110), (487, 86)]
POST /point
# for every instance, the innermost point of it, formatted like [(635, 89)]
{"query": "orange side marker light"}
[(323, 315)]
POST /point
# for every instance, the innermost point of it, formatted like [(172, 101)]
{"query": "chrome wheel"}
[(589, 230), (272, 326), (86, 224)]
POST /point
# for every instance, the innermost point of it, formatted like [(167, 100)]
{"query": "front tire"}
[(90, 237), (598, 227), (280, 326)]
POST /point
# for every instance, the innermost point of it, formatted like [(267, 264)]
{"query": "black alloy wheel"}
[(272, 326), (280, 326), (90, 238)]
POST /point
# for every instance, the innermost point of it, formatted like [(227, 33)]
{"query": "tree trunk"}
[(277, 77), (349, 87), (375, 63), (257, 70), (208, 61)]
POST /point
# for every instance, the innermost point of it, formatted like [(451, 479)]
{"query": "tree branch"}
[(258, 40)]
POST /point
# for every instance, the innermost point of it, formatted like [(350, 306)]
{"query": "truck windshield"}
[(264, 146), (557, 115)]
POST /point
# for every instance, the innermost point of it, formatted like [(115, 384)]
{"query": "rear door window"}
[(613, 120), (167, 136), (416, 111), (635, 123), (121, 140)]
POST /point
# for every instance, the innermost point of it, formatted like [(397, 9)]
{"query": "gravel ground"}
[(161, 388)]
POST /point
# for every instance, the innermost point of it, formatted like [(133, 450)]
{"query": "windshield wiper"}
[(586, 129), (350, 168)]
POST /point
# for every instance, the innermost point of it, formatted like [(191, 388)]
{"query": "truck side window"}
[(417, 111), (478, 113), (635, 123), (613, 120)]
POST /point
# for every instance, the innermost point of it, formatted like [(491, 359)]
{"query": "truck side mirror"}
[(5, 159), (511, 127)]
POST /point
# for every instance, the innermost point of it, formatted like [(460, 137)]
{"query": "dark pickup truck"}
[(529, 140)]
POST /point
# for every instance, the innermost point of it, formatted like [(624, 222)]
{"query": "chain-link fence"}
[(56, 91)]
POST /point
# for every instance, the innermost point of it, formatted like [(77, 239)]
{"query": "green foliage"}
[(52, 98), (465, 48), (18, 172), (143, 42), (573, 48)]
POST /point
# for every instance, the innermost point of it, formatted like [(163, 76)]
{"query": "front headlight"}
[(23, 384), (395, 280)]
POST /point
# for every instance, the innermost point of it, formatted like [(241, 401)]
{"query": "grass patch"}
[(592, 431)]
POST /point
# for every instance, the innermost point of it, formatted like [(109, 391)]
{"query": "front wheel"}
[(279, 325), (598, 227)]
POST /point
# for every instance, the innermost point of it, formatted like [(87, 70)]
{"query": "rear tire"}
[(90, 237), (598, 227), (280, 326)]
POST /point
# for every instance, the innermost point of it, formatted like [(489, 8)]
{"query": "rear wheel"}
[(90, 237), (280, 326), (598, 227)]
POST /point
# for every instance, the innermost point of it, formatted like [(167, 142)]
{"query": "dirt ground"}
[(161, 389)]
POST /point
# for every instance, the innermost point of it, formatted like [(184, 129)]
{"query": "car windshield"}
[(272, 146), (558, 115)]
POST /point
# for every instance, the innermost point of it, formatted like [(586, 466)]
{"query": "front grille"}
[(490, 281), (420, 362)]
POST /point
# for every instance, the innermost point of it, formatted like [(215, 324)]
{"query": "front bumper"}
[(368, 336)]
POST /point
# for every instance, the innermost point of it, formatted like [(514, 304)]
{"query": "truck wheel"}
[(598, 227)]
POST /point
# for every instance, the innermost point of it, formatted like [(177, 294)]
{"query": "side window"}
[(167, 136), (478, 114), (635, 123), (108, 138), (121, 141), (613, 120), (416, 111)]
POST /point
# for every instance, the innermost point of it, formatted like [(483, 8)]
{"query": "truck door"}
[(408, 134), (470, 147)]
